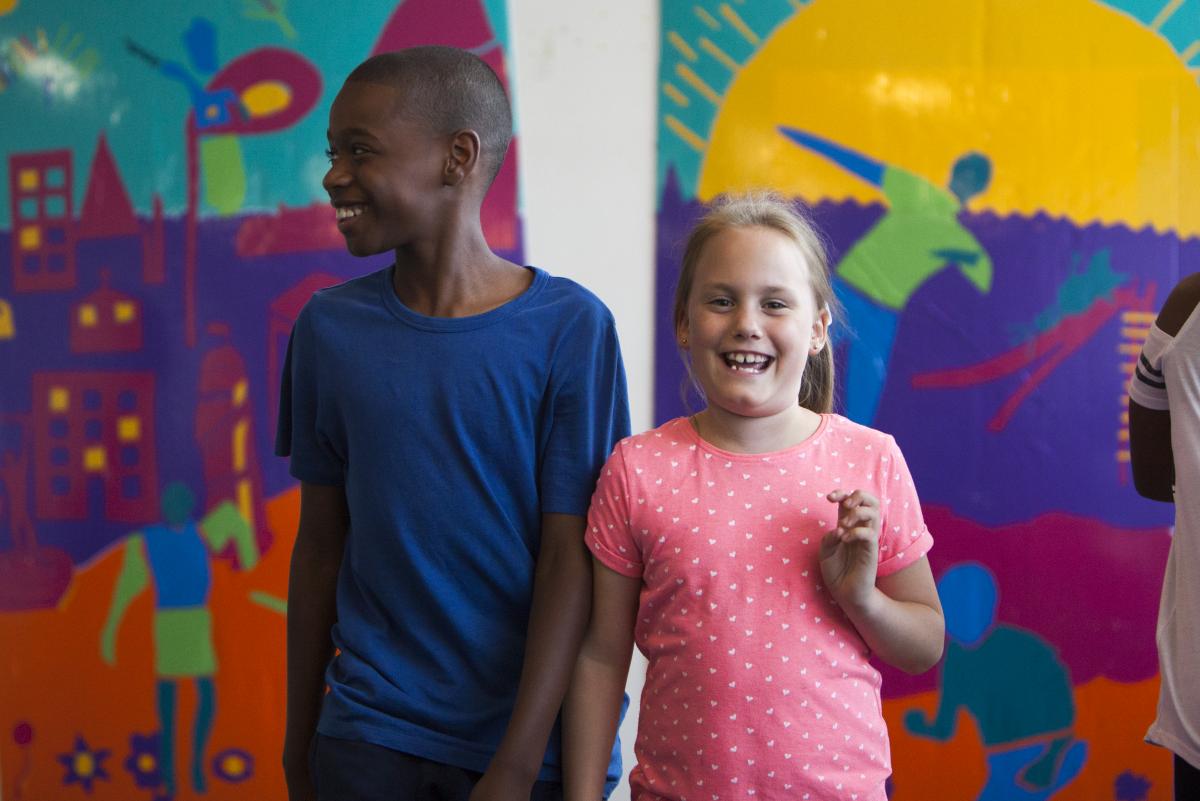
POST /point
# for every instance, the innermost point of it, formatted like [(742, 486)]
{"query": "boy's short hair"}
[(449, 90)]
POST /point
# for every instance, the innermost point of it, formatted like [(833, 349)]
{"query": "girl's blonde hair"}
[(762, 209)]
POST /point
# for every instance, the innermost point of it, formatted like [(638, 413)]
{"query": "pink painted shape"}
[(107, 210), (298, 230), (34, 579), (268, 64), (464, 24), (455, 23), (1056, 344)]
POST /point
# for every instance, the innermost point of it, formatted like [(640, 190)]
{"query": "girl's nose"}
[(747, 323)]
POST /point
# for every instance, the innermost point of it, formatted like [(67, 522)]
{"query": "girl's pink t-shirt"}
[(758, 686)]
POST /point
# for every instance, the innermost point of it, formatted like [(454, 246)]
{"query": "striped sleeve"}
[(1148, 387)]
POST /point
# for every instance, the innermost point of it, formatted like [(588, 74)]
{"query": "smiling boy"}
[(447, 417)]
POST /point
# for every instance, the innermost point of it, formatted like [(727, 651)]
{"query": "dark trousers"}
[(1187, 781), (349, 770)]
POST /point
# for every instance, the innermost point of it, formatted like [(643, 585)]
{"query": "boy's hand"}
[(850, 552), (498, 784)]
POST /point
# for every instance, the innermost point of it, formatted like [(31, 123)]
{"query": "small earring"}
[(683, 342)]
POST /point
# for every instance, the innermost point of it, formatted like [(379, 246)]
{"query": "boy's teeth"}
[(346, 212)]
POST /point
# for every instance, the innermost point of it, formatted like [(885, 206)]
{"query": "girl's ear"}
[(681, 338), (820, 330)]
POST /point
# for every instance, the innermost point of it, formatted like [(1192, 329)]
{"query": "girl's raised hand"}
[(850, 553)]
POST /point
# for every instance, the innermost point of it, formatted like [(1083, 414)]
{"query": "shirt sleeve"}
[(305, 409), (609, 533), (589, 412), (903, 535), (1148, 387)]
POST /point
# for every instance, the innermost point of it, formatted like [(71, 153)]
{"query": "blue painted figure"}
[(1014, 685), (175, 554)]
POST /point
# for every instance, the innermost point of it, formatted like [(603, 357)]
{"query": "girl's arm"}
[(899, 615), (902, 620), (593, 703)]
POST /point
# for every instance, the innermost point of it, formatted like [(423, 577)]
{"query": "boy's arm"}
[(592, 709), (562, 587), (312, 611), (1151, 457)]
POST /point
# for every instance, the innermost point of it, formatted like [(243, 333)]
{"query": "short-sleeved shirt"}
[(758, 686), (451, 436), (1168, 378)]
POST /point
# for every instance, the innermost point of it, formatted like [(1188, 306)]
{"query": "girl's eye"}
[(721, 302), (330, 154), (357, 150), (775, 305)]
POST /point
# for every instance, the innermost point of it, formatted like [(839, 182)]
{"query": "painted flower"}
[(84, 765), (143, 760), (1130, 786), (233, 765)]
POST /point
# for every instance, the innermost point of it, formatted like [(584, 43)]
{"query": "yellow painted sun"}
[(1084, 112)]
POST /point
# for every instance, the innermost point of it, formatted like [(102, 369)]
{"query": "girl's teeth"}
[(347, 212)]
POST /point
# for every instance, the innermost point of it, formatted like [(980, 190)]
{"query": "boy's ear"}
[(463, 157)]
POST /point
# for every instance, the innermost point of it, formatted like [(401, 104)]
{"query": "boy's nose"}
[(335, 177)]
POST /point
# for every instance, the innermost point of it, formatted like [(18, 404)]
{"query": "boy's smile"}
[(385, 169)]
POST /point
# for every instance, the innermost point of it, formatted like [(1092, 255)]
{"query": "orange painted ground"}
[(1110, 717), (52, 677)]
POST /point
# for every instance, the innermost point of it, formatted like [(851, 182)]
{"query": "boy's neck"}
[(455, 274), (738, 434)]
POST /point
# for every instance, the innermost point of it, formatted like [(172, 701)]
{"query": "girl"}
[(758, 552)]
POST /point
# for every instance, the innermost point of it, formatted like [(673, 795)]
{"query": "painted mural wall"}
[(163, 223), (1008, 188)]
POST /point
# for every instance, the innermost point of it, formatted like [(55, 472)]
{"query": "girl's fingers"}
[(859, 515), (857, 534)]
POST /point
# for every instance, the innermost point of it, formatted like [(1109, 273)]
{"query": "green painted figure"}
[(919, 236)]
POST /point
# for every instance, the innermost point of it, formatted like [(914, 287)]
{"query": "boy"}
[(1164, 443), (447, 417)]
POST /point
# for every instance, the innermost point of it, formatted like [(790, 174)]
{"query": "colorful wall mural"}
[(1006, 188), (163, 223)]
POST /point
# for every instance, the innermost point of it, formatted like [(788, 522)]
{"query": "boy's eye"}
[(775, 305), (357, 150), (330, 153)]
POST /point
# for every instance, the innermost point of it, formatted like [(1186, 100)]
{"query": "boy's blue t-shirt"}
[(451, 437)]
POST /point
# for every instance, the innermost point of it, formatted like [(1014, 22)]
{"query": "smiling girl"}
[(758, 552)]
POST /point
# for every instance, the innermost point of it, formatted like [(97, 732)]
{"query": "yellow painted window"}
[(246, 501), (31, 237), (124, 311), (129, 428), (239, 445), (60, 399), (8, 328), (28, 180), (239, 393), (95, 459), (87, 315)]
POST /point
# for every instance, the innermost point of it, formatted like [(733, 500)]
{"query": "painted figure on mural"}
[(1013, 684), (175, 555), (1164, 443), (918, 237)]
